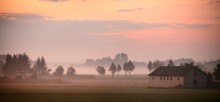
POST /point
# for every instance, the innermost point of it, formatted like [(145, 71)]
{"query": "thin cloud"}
[(21, 16), (56, 1), (96, 26), (183, 25), (131, 10), (214, 2), (218, 17)]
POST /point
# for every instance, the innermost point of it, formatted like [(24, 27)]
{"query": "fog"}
[(92, 70)]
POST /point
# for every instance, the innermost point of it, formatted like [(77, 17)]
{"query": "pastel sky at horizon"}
[(70, 31)]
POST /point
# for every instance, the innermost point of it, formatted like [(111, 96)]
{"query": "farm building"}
[(178, 76)]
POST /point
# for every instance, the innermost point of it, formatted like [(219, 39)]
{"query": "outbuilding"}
[(178, 76)]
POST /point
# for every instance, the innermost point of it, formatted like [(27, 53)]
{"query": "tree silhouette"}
[(112, 69), (118, 69), (217, 72), (100, 70), (150, 66), (15, 66), (125, 68), (171, 63), (7, 67), (23, 64), (70, 72), (41, 67), (131, 67), (19, 66), (157, 64), (120, 58), (37, 68), (59, 71)]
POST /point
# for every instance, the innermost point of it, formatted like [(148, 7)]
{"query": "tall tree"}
[(171, 63), (118, 69), (217, 72), (157, 64), (120, 58), (112, 69), (125, 68), (70, 72), (16, 65), (24, 64), (59, 71), (100, 70), (43, 66), (150, 66), (36, 67), (131, 67), (7, 67)]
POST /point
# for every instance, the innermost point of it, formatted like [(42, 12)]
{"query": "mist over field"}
[(92, 70), (109, 51)]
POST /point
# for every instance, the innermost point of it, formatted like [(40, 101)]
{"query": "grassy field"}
[(91, 93)]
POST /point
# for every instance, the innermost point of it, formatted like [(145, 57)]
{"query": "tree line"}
[(16, 65), (19, 66), (128, 67)]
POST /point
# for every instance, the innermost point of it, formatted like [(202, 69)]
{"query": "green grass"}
[(105, 94)]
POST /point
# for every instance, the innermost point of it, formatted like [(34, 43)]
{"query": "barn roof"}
[(172, 71)]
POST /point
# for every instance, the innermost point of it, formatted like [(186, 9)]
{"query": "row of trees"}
[(128, 67), (40, 68), (157, 63), (16, 65), (60, 71), (154, 65), (19, 66)]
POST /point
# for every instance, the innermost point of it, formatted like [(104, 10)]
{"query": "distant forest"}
[(21, 64), (121, 58)]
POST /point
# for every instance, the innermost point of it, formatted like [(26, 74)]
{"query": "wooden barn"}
[(178, 76)]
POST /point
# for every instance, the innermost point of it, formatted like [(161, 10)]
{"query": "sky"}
[(70, 31)]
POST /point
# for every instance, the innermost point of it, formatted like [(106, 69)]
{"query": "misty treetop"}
[(150, 66), (128, 67), (216, 72), (59, 71), (100, 70), (171, 63), (41, 67), (119, 58), (70, 71), (118, 69), (113, 69), (16, 65)]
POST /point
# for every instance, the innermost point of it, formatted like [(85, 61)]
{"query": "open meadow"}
[(99, 90)]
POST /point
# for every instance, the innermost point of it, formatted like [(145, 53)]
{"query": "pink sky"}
[(73, 30)]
